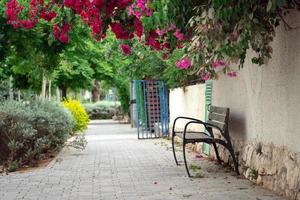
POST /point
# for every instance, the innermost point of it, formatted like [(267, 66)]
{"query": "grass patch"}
[(194, 167)]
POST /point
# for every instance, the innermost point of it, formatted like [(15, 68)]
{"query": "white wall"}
[(265, 101), (188, 102)]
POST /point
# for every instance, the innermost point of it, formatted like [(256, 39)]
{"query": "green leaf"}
[(211, 13), (269, 6)]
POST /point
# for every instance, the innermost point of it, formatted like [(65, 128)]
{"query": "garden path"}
[(117, 166)]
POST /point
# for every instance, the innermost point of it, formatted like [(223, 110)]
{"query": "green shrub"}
[(79, 114), (102, 109), (27, 131)]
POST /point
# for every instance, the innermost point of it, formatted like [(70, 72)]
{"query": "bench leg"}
[(185, 162), (229, 147), (236, 166), (217, 152), (173, 147)]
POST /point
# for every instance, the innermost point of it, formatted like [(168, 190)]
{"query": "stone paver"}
[(117, 166)]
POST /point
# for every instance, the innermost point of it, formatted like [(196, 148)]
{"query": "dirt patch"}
[(38, 164)]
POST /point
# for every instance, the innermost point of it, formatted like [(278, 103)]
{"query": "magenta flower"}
[(218, 63), (178, 35), (48, 16), (141, 4), (160, 32), (184, 63), (165, 56), (232, 74), (171, 27), (139, 9), (138, 28), (205, 76), (126, 49), (131, 10)]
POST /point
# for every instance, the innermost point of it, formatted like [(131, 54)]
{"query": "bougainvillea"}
[(123, 17), (223, 32), (126, 49), (61, 33), (184, 63), (216, 41)]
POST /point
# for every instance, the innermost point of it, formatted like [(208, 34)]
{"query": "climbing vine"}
[(223, 31)]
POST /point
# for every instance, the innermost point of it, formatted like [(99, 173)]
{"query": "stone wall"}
[(273, 167)]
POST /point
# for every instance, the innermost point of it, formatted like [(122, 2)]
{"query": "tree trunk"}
[(63, 92), (57, 95), (11, 92), (96, 91), (49, 89), (44, 85), (19, 95)]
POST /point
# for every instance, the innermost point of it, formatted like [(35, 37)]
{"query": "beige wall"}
[(265, 101), (188, 102), (264, 107)]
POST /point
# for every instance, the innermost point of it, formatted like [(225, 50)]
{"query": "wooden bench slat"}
[(219, 110), (218, 124), (217, 117)]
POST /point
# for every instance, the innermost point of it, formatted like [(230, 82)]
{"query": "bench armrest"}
[(186, 118), (192, 122), (213, 126), (207, 126)]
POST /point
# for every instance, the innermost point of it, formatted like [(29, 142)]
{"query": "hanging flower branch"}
[(123, 17), (223, 31), (216, 40)]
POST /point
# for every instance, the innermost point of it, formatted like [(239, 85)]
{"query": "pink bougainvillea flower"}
[(120, 32), (205, 76), (61, 33), (48, 16), (152, 41), (13, 8), (98, 3), (178, 35), (184, 63), (218, 63), (96, 28), (64, 38), (232, 74), (167, 45), (171, 27), (165, 56), (126, 49), (141, 4), (122, 4), (160, 32), (69, 3), (138, 28), (179, 46), (139, 9), (28, 24), (131, 10), (148, 12)]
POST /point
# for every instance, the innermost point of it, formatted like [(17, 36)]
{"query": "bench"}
[(217, 121)]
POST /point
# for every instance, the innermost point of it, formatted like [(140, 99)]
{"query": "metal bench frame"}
[(217, 120)]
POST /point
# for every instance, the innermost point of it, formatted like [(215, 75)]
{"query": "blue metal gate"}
[(152, 109)]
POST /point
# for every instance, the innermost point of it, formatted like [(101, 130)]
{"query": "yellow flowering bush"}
[(79, 114)]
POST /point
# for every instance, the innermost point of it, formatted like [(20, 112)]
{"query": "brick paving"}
[(117, 166)]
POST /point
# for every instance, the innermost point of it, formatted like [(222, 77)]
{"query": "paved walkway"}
[(115, 165)]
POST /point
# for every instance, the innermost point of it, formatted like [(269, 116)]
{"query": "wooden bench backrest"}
[(219, 116)]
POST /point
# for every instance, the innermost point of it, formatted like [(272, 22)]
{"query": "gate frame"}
[(159, 126)]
